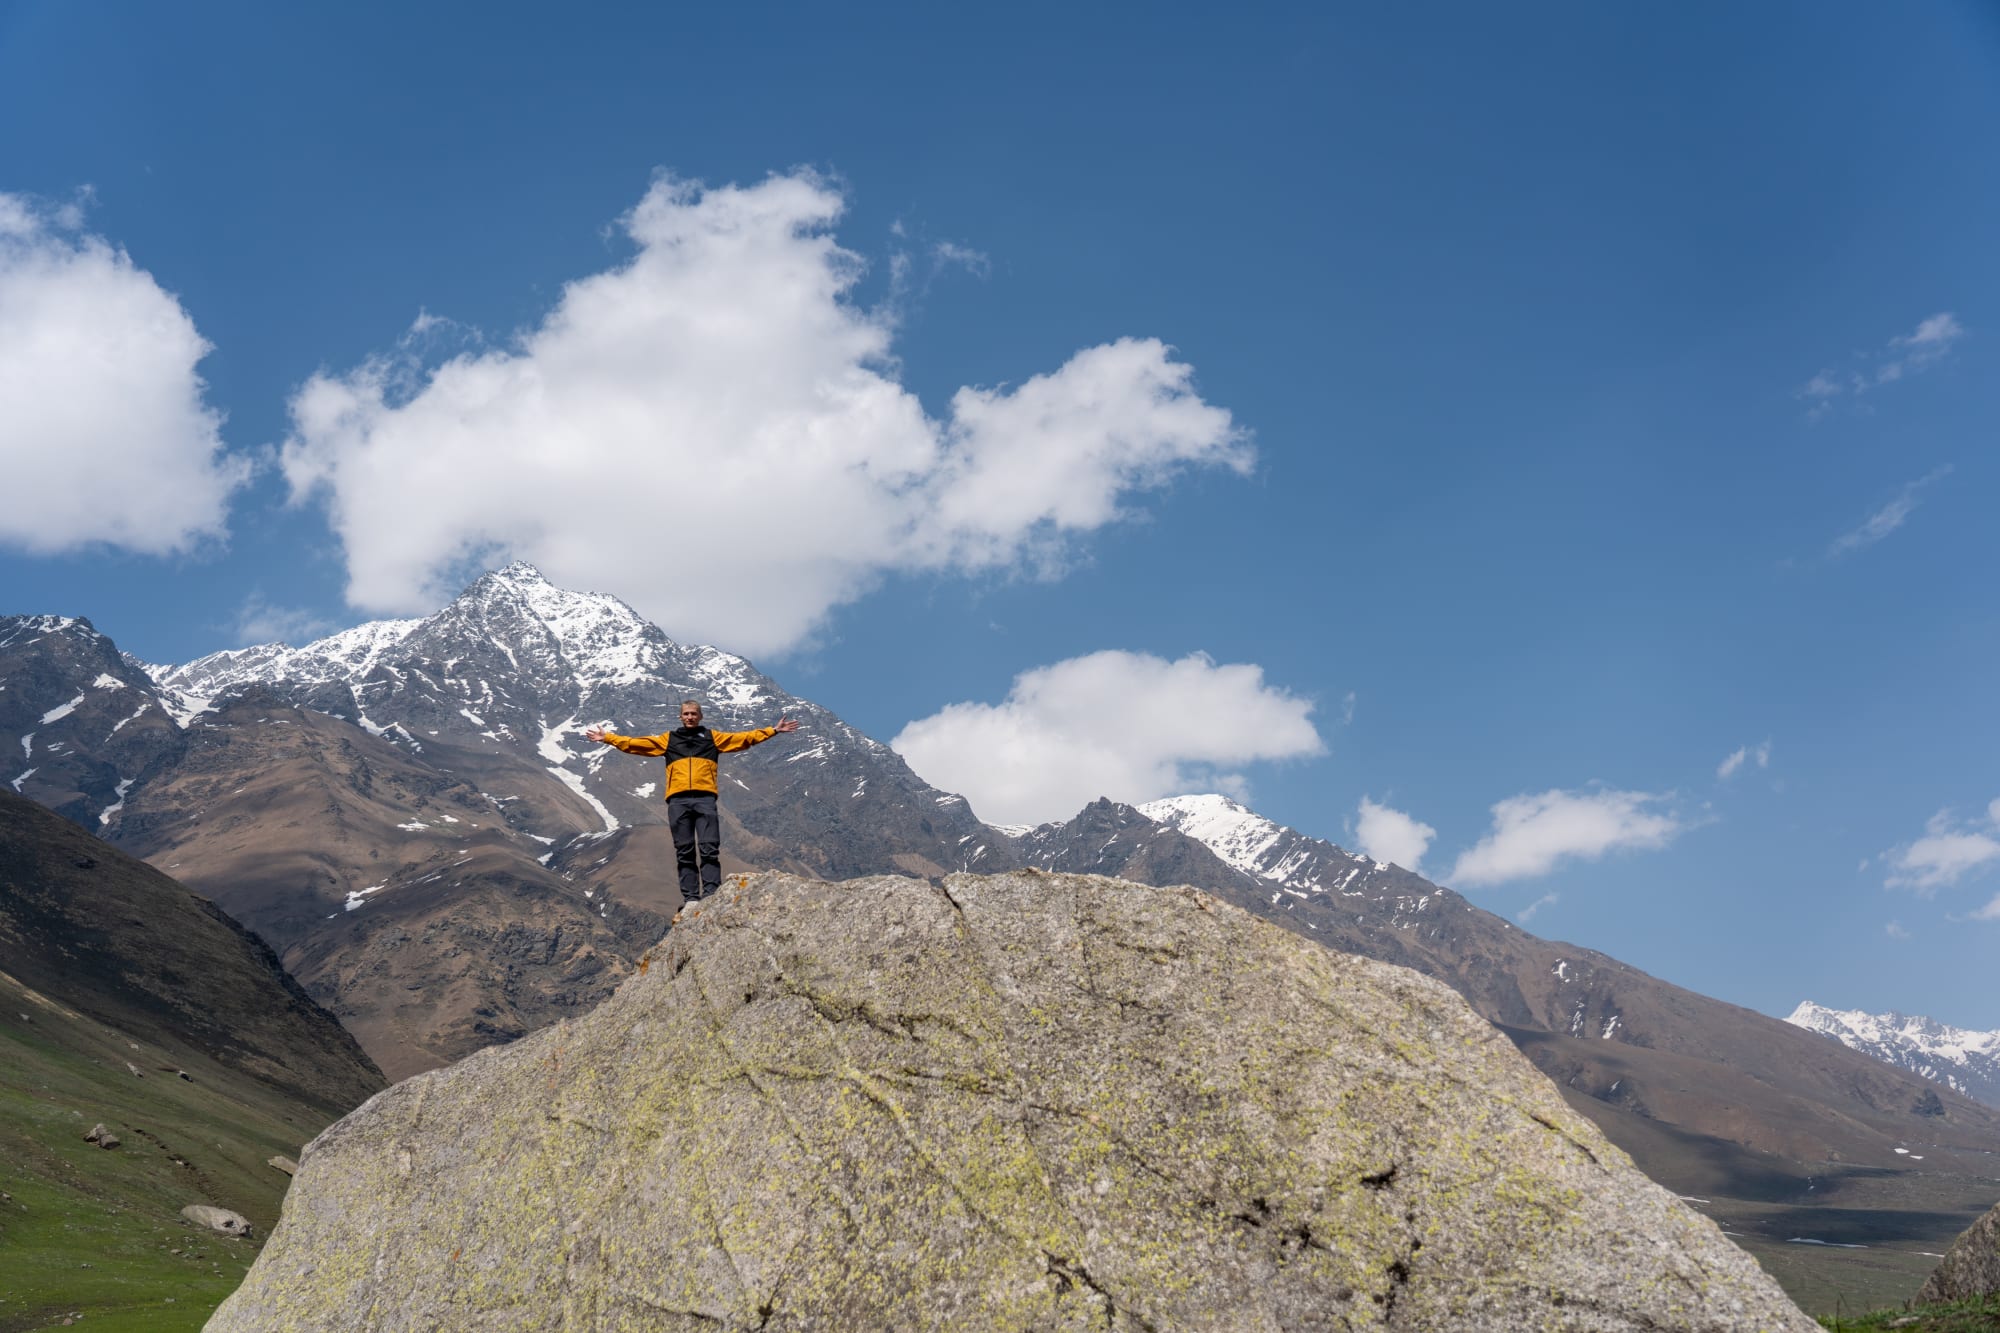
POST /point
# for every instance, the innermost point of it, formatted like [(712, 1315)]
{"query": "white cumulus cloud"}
[(105, 433), (717, 430), (1534, 832), (1387, 834), (1129, 726), (1949, 850)]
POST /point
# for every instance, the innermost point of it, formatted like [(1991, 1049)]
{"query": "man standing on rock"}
[(691, 752)]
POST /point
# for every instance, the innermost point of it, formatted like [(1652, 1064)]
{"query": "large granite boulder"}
[(1028, 1101), (1970, 1268)]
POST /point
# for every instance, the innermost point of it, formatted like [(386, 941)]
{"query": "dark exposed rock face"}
[(83, 722), (1970, 1268), (1025, 1101)]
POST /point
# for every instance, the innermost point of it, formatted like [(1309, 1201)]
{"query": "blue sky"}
[(1482, 420)]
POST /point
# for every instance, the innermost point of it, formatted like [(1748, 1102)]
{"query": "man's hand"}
[(786, 724), (594, 733)]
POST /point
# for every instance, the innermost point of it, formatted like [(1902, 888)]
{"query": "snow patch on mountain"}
[(1962, 1059), (551, 746), (105, 815), (61, 711)]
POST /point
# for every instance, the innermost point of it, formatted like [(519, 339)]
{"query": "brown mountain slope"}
[(90, 928), (414, 905)]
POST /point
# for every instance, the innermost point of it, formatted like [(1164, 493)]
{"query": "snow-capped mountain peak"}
[(594, 639), (348, 655), (1240, 836), (1255, 845), (1962, 1059)]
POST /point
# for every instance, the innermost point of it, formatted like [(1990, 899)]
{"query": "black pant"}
[(697, 843)]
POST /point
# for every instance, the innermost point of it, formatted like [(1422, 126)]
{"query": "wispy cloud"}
[(1990, 912), (1527, 914), (1390, 835), (1533, 833), (950, 254), (1950, 850), (1759, 755), (1895, 931), (1897, 359), (1347, 709), (1886, 519), (259, 621)]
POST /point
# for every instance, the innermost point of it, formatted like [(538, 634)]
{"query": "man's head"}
[(690, 713)]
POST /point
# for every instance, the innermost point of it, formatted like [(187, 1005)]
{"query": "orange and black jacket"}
[(691, 753)]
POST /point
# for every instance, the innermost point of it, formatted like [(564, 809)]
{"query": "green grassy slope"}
[(1974, 1316), (99, 1232), (114, 981)]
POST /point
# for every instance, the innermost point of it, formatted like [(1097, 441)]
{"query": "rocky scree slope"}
[(1023, 1101)]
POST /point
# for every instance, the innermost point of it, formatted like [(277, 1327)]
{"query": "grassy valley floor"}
[(98, 1233)]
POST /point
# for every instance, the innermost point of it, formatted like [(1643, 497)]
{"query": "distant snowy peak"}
[(1240, 836), (1961, 1059), (1247, 841)]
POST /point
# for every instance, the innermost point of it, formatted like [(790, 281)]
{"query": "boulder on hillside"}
[(1970, 1268), (1028, 1101), (217, 1219)]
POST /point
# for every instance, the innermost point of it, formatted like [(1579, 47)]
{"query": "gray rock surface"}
[(102, 1136), (1971, 1267), (1028, 1101)]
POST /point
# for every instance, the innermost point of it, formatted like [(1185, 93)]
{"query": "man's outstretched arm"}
[(726, 741), (649, 745)]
